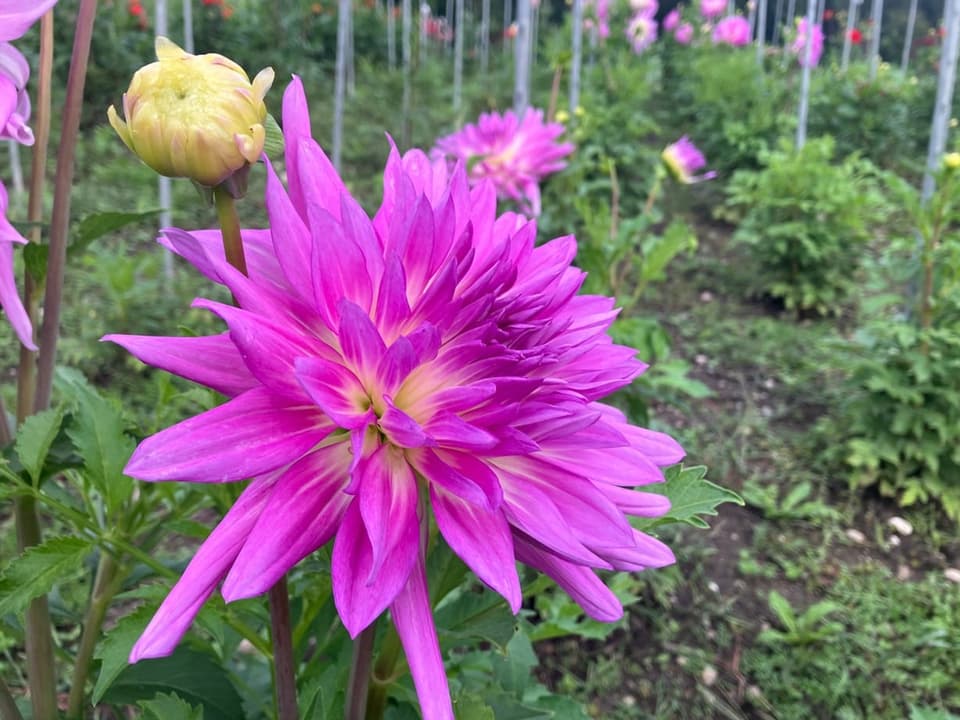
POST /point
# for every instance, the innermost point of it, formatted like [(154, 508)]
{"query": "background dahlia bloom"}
[(641, 32), (684, 33), (672, 20), (644, 7), (712, 8), (683, 159), (799, 46), (432, 357), (733, 30), (514, 153)]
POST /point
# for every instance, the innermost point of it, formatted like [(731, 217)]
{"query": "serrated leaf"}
[(97, 432), (114, 649), (691, 496), (95, 226), (34, 439), (194, 676), (170, 707), (38, 569), (476, 615), (783, 610), (472, 707)]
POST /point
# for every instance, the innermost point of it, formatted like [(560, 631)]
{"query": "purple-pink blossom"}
[(16, 16), (14, 99), (732, 30), (672, 20), (684, 159), (641, 32), (9, 297), (684, 33), (799, 46), (644, 7), (712, 8), (515, 153), (429, 368)]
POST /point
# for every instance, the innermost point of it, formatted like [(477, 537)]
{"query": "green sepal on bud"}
[(195, 116)]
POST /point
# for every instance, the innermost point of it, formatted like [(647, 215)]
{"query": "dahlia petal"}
[(358, 226), (359, 339), (347, 277), (207, 568), (659, 447), (258, 252), (10, 298), (579, 582), (401, 429), (482, 539), (393, 310), (639, 504), (337, 392), (397, 363), (387, 498), (291, 238), (647, 552), (319, 181), (413, 617), (460, 475), (212, 361), (16, 16), (250, 435), (448, 429), (360, 599), (310, 500), (296, 126)]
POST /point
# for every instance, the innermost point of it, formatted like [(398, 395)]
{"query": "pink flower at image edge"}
[(432, 357), (733, 30), (684, 159), (515, 153)]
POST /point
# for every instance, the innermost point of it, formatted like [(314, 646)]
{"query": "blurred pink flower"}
[(641, 32), (683, 159), (9, 297), (684, 33), (432, 361), (644, 7), (732, 30), (16, 16), (799, 46), (14, 99), (515, 153), (712, 8), (672, 20)]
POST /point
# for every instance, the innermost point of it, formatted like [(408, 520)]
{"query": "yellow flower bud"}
[(561, 116), (194, 116), (952, 160), (579, 111), (953, 122)]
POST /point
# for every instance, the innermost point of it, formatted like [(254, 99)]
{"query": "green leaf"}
[(95, 226), (170, 707), (691, 496), (472, 707), (784, 612), (482, 615), (34, 439), (114, 649), (38, 569), (97, 432), (35, 260), (273, 142), (194, 676)]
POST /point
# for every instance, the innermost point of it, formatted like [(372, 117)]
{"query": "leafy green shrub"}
[(904, 417), (805, 222)]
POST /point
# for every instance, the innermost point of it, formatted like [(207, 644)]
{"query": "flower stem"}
[(283, 668), (359, 680), (230, 229), (60, 219), (105, 586), (383, 674), (284, 679)]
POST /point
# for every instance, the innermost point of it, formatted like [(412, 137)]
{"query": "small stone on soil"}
[(856, 536), (900, 525), (952, 574)]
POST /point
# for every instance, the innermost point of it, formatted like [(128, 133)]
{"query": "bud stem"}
[(230, 229)]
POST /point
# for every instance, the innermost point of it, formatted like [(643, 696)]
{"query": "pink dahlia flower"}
[(732, 30), (9, 297), (16, 16), (684, 33), (644, 7), (672, 20), (14, 100), (712, 8), (641, 32), (432, 360), (683, 159), (515, 153), (799, 46)]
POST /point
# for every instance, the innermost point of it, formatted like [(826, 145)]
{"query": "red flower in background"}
[(856, 37), (136, 10), (828, 14)]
